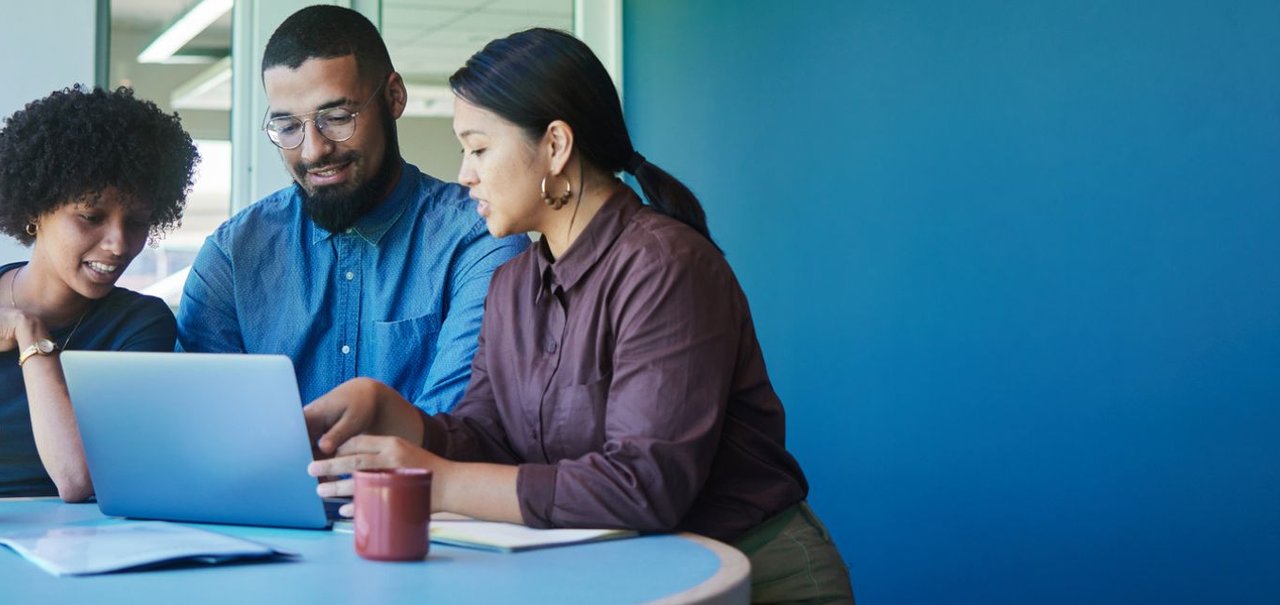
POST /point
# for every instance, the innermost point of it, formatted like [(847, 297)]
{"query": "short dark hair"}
[(325, 31), (534, 77), (77, 142)]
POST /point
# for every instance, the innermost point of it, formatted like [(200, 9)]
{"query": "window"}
[(176, 53), (197, 77)]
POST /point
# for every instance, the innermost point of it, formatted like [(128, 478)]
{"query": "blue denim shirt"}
[(397, 297)]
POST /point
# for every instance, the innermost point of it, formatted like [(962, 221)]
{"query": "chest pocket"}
[(403, 350), (577, 419)]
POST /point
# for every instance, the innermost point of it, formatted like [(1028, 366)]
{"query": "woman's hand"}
[(360, 406), (16, 326), (364, 424), (364, 452)]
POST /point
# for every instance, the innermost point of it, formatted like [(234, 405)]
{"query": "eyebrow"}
[(466, 133), (329, 105)]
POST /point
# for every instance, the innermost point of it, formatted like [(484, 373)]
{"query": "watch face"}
[(45, 345)]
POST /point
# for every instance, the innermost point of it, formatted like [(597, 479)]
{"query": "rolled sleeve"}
[(536, 484)]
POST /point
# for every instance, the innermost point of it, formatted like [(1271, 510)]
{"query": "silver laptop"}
[(208, 438)]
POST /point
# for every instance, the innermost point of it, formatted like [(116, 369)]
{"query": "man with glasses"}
[(364, 266)]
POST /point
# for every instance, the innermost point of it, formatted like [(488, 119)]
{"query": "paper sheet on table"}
[(94, 549), (508, 537)]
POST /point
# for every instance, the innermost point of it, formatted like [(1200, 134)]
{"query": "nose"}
[(115, 239), (467, 174), (315, 146)]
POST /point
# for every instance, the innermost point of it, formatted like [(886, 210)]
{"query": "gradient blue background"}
[(1016, 270)]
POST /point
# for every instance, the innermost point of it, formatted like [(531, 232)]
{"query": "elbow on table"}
[(75, 490), (649, 518)]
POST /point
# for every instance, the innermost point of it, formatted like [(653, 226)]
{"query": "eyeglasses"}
[(336, 124)]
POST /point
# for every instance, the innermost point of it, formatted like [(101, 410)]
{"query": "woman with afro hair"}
[(87, 177)]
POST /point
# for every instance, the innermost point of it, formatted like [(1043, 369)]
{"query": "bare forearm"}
[(53, 422), (478, 490)]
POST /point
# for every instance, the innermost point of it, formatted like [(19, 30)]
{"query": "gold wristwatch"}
[(44, 346)]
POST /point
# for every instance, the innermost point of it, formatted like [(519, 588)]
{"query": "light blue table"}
[(665, 568)]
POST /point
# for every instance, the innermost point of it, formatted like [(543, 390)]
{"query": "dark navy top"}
[(122, 321)]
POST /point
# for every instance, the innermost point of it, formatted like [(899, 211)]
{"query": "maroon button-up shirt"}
[(626, 381)]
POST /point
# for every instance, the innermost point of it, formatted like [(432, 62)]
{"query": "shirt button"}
[(551, 348), (345, 349), (350, 276)]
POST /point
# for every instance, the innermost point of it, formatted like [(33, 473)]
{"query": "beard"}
[(336, 208)]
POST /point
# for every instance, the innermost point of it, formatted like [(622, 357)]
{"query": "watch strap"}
[(49, 348)]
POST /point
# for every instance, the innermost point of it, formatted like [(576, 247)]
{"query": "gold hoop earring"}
[(32, 228), (558, 202)]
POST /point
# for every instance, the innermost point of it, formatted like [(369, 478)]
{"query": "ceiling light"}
[(188, 26)]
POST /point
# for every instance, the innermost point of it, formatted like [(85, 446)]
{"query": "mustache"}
[(342, 158)]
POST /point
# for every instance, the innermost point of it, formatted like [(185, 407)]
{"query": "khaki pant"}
[(793, 560)]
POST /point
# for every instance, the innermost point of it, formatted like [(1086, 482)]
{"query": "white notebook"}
[(456, 530), (94, 549), (509, 537)]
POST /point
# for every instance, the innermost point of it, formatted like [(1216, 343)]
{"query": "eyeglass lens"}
[(336, 124)]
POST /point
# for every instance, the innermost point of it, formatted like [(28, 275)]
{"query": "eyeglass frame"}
[(267, 120)]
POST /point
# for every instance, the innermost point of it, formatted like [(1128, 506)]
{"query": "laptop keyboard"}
[(331, 506)]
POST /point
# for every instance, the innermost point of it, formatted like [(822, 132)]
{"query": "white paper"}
[(93, 549), (508, 537)]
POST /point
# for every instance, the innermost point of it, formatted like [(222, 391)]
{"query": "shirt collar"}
[(374, 224), (591, 245)]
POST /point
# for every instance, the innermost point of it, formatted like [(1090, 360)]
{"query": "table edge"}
[(730, 584)]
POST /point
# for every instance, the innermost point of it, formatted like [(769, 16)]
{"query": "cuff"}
[(435, 438), (536, 490)]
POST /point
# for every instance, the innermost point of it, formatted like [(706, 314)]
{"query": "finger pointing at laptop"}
[(357, 426)]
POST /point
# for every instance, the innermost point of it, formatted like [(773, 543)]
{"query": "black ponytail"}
[(668, 195), (534, 77)]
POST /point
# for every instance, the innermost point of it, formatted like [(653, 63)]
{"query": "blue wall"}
[(1016, 270)]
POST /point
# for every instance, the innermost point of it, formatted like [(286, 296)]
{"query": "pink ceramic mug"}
[(393, 512)]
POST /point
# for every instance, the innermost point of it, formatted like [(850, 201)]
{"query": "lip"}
[(95, 270), (482, 208), (336, 173)]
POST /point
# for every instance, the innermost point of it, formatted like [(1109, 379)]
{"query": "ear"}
[(559, 140), (396, 94)]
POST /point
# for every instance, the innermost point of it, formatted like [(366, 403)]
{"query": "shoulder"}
[(127, 320), (444, 196), (448, 207), (521, 266), (134, 306), (655, 243), (269, 217)]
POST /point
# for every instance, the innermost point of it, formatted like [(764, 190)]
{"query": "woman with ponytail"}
[(618, 380)]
